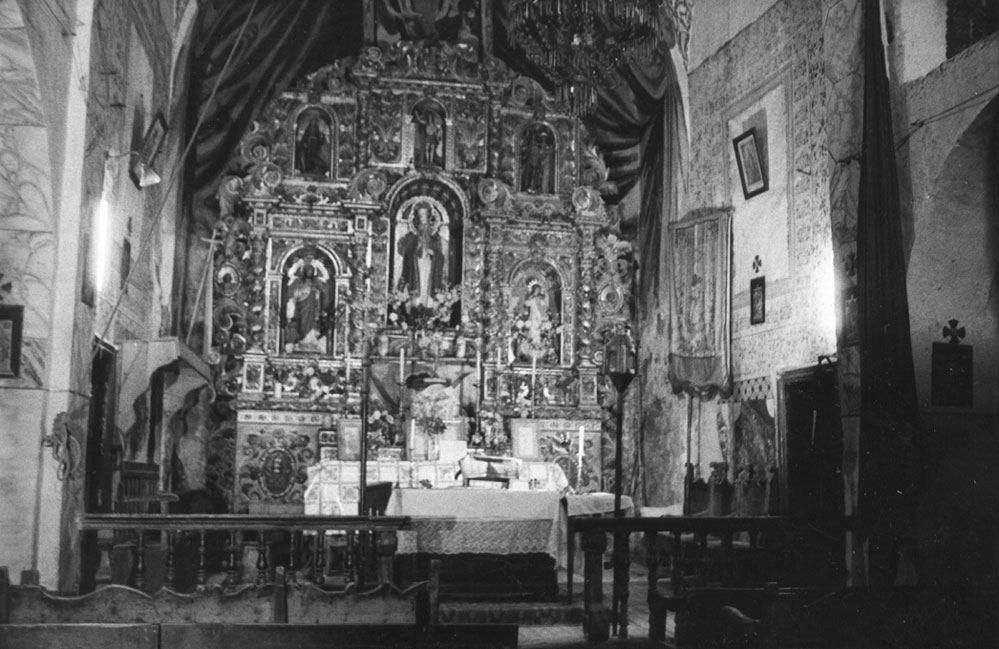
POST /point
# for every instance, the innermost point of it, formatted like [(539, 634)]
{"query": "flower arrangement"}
[(410, 314), (309, 380), (382, 429), (491, 433), (430, 406)]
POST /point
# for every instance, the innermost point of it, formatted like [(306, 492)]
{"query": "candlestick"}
[(534, 381), (579, 458), (348, 371), (402, 365), (278, 386)]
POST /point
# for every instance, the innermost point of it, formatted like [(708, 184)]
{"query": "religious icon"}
[(277, 472), (313, 137), (422, 251), (751, 169), (536, 298), (430, 133), (308, 306), (537, 160)]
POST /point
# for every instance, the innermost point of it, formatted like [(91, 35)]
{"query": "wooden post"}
[(171, 570), (105, 542), (434, 590), (387, 544), (4, 594), (622, 563), (202, 572), (280, 596), (657, 608), (140, 560), (232, 573), (596, 625)]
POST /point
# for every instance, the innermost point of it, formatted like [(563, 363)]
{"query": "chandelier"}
[(579, 44)]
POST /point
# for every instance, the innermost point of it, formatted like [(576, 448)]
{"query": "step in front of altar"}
[(520, 613)]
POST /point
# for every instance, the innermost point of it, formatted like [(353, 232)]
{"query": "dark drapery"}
[(888, 392), (281, 40)]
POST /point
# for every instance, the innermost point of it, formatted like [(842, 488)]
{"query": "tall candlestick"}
[(348, 371), (579, 458), (402, 365), (534, 381)]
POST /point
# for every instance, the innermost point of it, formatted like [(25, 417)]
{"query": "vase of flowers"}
[(491, 433), (429, 408)]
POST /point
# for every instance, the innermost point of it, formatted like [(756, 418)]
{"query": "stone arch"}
[(954, 262)]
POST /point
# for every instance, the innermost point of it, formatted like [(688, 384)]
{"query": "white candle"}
[(402, 365), (582, 429), (277, 389), (534, 370), (348, 370)]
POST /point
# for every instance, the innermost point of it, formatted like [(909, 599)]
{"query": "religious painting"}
[(758, 300), (277, 472), (422, 267), (537, 159), (751, 166), (11, 323), (348, 440), (429, 133), (308, 309), (313, 143), (536, 307)]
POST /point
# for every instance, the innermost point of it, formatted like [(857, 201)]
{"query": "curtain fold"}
[(281, 40), (888, 407)]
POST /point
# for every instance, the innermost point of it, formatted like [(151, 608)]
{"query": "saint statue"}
[(429, 145), (423, 255), (536, 161), (305, 307), (309, 157)]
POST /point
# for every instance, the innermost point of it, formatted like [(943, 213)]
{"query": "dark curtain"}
[(281, 40), (888, 392)]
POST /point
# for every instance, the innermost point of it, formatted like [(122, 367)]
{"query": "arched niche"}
[(430, 132), (311, 311), (314, 143), (426, 233), (536, 302), (537, 145)]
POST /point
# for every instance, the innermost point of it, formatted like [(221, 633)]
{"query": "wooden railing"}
[(597, 620), (360, 548)]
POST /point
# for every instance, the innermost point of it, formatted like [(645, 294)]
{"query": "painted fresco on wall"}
[(313, 143)]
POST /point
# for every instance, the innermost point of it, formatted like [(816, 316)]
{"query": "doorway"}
[(810, 448)]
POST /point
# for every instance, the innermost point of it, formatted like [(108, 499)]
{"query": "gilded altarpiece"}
[(436, 215)]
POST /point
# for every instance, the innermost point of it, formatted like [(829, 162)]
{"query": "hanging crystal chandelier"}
[(578, 44)]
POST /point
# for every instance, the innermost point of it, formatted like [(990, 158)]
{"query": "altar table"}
[(479, 521)]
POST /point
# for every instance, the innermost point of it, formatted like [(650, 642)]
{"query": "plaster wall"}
[(769, 76), (948, 168), (716, 22), (27, 254), (918, 39)]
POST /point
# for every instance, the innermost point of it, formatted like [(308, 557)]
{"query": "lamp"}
[(578, 44), (143, 174), (619, 366)]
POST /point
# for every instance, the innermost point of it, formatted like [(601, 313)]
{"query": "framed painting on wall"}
[(11, 324), (752, 171)]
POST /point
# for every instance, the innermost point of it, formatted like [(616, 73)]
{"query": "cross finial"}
[(757, 264), (953, 332)]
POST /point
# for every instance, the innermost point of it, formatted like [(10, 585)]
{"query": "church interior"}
[(440, 323)]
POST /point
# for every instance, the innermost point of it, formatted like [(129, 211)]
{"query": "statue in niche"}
[(537, 160), (308, 307), (430, 132), (536, 326), (313, 137), (422, 254)]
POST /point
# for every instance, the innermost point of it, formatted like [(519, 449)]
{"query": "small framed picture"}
[(11, 324), (525, 440), (758, 300), (348, 439), (752, 171)]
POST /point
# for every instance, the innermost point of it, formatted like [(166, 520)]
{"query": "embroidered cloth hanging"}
[(699, 254)]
